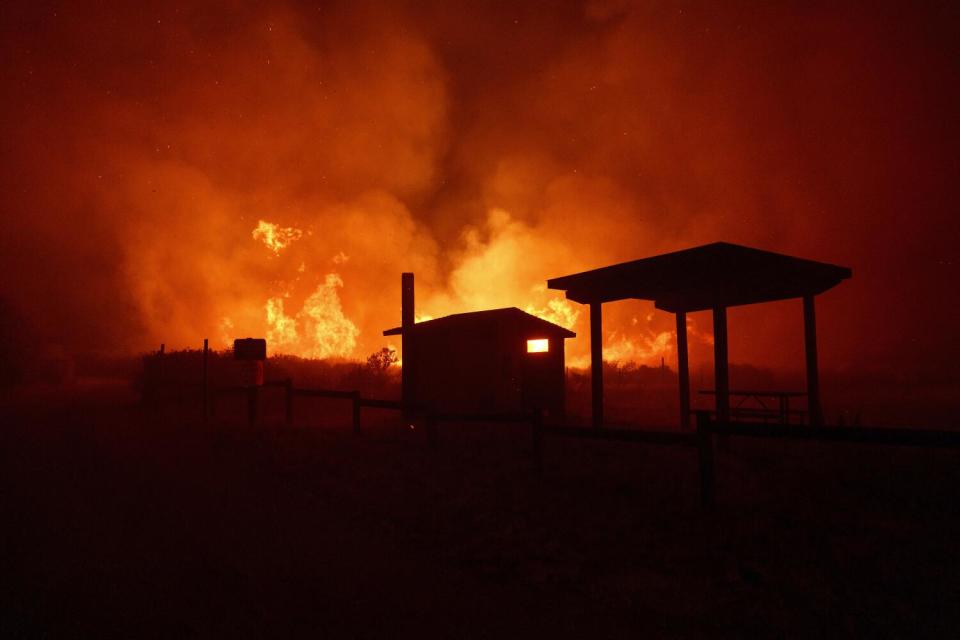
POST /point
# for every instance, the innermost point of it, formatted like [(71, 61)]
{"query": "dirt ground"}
[(120, 523)]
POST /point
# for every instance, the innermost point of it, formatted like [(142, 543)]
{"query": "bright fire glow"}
[(558, 311), (541, 345), (319, 330), (276, 238), (376, 147)]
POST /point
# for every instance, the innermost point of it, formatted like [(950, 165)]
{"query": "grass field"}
[(120, 523)]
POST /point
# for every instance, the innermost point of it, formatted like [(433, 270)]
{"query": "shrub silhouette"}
[(380, 361)]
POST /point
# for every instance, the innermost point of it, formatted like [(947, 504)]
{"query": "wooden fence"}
[(707, 427), (702, 440), (291, 392)]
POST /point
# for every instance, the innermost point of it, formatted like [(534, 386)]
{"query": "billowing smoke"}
[(175, 173)]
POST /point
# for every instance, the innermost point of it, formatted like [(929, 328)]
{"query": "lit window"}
[(538, 346)]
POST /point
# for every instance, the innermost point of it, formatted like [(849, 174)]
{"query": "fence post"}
[(536, 433), (252, 405), (206, 389), (355, 398), (288, 388), (705, 449), (157, 393)]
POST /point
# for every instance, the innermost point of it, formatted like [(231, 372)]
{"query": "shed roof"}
[(712, 275), (474, 320)]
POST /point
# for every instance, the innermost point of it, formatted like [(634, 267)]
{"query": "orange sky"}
[(486, 147)]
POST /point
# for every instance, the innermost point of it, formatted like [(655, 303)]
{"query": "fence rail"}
[(701, 440), (324, 393), (707, 427), (624, 435), (290, 392), (381, 404), (867, 435)]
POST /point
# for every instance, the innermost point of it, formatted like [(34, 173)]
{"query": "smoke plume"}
[(244, 169)]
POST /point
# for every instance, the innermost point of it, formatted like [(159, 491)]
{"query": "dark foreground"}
[(118, 524)]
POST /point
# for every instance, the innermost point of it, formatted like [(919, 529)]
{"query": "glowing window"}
[(538, 346)]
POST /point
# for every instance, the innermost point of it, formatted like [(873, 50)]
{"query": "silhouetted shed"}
[(500, 360), (713, 276)]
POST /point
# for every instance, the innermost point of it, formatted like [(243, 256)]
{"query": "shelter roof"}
[(712, 275)]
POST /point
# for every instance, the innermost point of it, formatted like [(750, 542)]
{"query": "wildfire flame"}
[(282, 329), (646, 347), (319, 330), (275, 237), (320, 327), (368, 142), (325, 325), (558, 311)]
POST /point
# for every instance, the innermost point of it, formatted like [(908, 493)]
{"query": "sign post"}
[(251, 352)]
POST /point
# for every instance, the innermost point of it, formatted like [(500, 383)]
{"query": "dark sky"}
[(485, 146)]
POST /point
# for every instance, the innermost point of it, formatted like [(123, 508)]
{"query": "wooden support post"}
[(705, 450), (288, 389), (536, 434), (161, 369), (596, 362), (720, 364), (206, 388), (355, 401), (683, 369), (252, 393), (408, 382), (814, 407)]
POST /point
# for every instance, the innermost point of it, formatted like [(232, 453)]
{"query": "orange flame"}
[(319, 330), (275, 237), (558, 311)]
